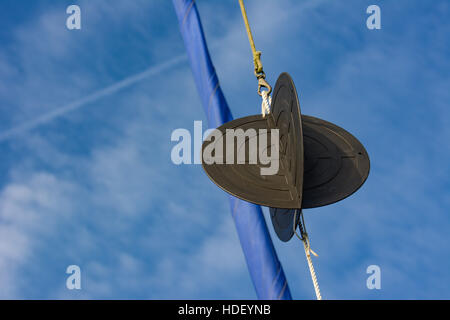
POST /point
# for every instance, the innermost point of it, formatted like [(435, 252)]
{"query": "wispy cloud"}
[(57, 112)]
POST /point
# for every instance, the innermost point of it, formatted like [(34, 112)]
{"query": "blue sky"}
[(85, 124)]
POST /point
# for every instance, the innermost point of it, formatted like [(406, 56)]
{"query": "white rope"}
[(311, 269), (266, 102), (265, 109), (305, 239)]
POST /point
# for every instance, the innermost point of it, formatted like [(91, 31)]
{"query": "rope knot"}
[(257, 62), (308, 245)]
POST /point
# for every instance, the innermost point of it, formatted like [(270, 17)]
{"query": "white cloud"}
[(30, 211)]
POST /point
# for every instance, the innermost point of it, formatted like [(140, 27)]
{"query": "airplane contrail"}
[(90, 98)]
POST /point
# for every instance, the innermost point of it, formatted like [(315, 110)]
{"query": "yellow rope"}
[(259, 72), (256, 54)]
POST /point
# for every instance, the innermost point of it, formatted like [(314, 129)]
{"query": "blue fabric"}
[(265, 269)]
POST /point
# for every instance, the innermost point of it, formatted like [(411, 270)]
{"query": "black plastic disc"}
[(336, 166), (319, 162), (285, 115), (244, 180), (336, 163), (283, 222)]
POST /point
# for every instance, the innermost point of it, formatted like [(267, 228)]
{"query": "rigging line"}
[(256, 54), (305, 239), (265, 104), (259, 72)]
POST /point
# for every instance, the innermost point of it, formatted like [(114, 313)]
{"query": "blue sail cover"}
[(265, 269)]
